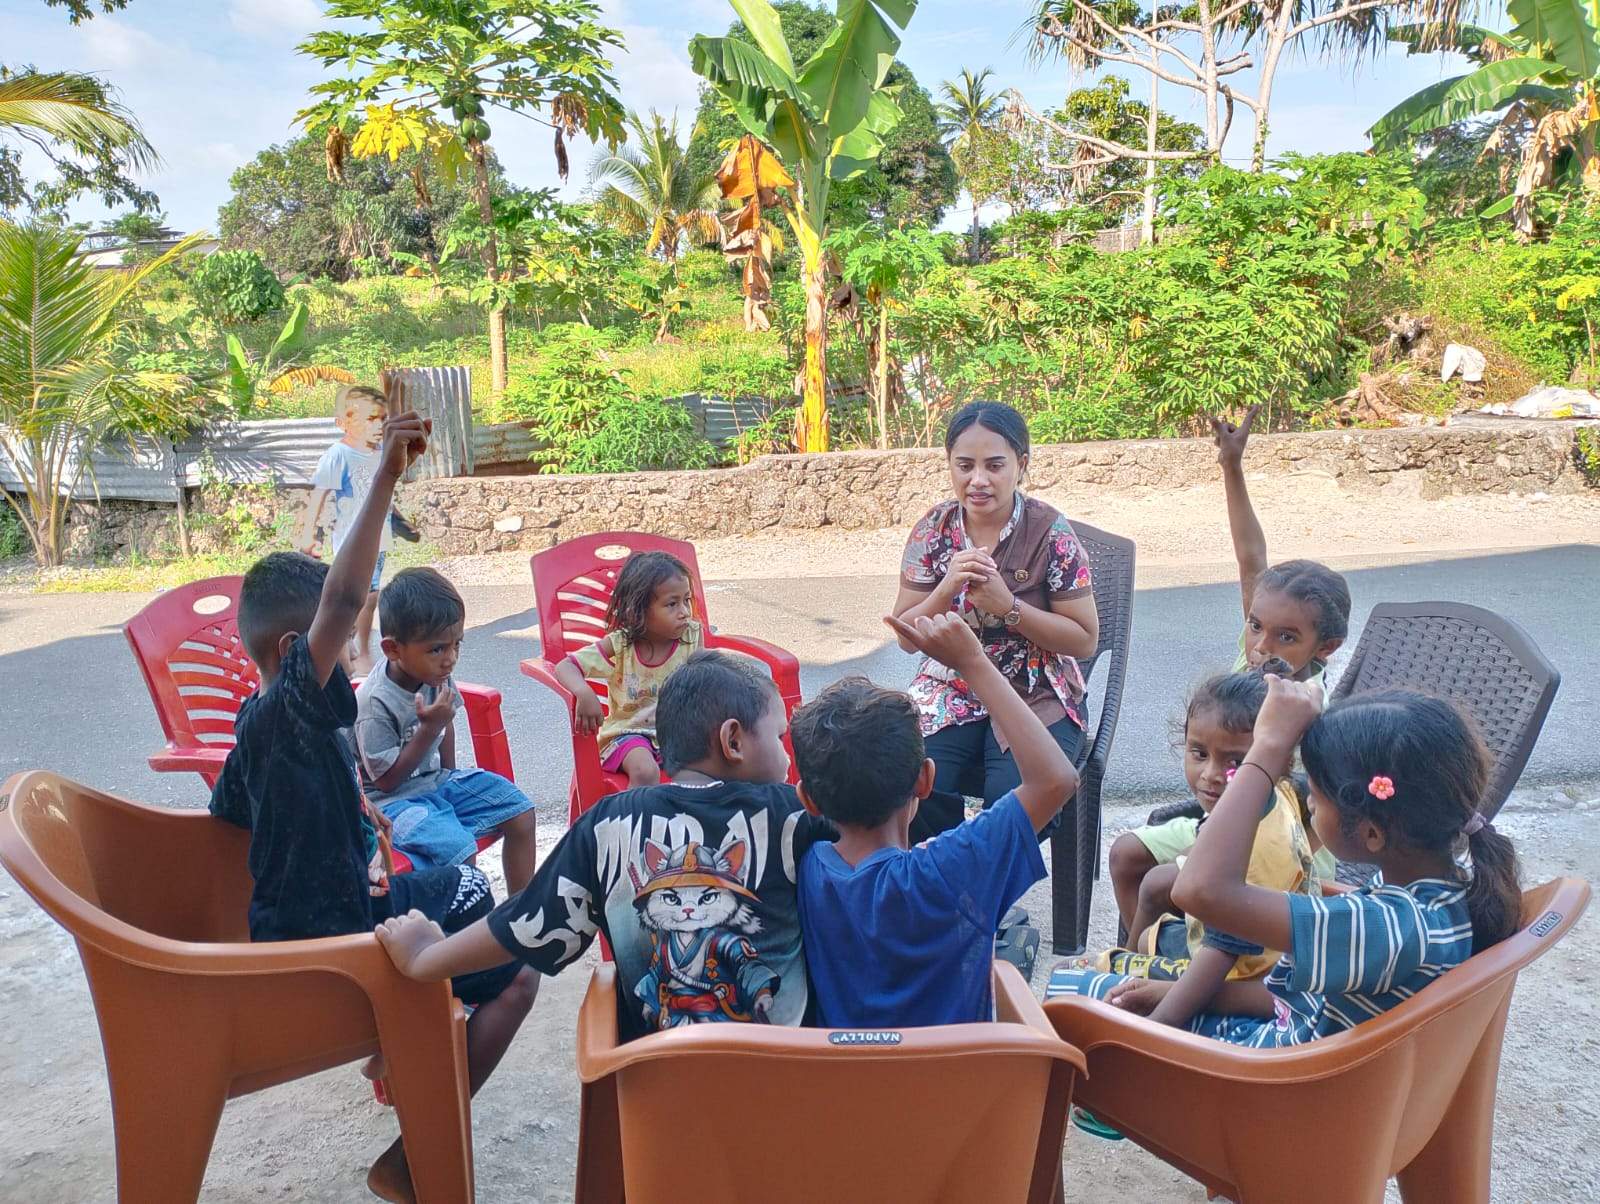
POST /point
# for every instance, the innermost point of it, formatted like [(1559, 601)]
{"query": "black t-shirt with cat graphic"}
[(694, 888)]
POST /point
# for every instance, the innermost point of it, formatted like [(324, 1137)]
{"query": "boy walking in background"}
[(340, 484)]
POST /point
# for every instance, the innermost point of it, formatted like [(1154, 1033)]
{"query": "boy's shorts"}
[(453, 896), (442, 827), (1169, 841), (611, 758)]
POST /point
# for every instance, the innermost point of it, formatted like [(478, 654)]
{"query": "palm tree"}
[(73, 111), (64, 381), (653, 191), (968, 110)]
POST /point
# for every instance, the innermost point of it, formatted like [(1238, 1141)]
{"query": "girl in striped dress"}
[(1396, 779)]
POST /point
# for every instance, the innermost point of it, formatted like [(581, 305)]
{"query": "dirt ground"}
[(311, 1140)]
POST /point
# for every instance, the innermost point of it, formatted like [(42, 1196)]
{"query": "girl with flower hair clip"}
[(1396, 779)]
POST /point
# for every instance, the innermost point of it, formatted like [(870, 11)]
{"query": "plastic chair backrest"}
[(572, 584), (1477, 659), (116, 873), (198, 673), (1111, 560), (802, 1112)]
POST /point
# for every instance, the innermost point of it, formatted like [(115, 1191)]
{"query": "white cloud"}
[(274, 18), (113, 45), (654, 72)]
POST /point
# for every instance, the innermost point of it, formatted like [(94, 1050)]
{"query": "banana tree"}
[(751, 176), (1546, 66), (826, 118), (276, 371)]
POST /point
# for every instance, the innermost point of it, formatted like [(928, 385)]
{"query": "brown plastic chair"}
[(192, 1014), (1075, 846), (1408, 1094), (725, 1113)]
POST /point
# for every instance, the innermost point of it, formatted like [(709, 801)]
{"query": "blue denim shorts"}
[(442, 827)]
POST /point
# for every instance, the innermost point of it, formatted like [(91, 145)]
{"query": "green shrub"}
[(235, 286), (1586, 450), (641, 434), (13, 536), (566, 394), (731, 371)]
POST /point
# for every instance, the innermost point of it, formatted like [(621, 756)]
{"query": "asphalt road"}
[(77, 704)]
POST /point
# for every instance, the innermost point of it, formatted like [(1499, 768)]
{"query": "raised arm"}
[(405, 437), (1048, 778), (1211, 885), (1249, 540)]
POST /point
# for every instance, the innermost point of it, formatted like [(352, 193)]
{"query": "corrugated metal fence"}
[(286, 451), (283, 451)]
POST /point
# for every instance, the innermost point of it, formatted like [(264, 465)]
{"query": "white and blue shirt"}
[(1354, 956), (346, 472)]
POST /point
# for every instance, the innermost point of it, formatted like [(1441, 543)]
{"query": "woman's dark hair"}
[(636, 585), (1439, 769), (1234, 698), (995, 416), (1317, 586)]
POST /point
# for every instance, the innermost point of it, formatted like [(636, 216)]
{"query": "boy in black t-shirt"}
[(692, 881), (291, 779)]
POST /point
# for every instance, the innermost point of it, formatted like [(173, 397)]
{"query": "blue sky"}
[(215, 81)]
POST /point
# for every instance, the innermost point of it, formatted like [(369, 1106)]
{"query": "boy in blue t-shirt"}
[(898, 936)]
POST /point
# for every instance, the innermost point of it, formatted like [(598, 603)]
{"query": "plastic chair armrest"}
[(490, 748), (597, 1025), (1015, 1003), (543, 672), (176, 759), (785, 665)]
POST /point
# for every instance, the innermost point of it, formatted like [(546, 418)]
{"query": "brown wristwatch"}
[(1014, 615)]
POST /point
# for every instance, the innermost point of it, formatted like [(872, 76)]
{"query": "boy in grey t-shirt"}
[(405, 738)]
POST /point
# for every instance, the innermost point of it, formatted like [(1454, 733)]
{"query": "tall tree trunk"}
[(883, 373), (1208, 77), (811, 424), (1147, 221), (977, 232), (1277, 38), (499, 370)]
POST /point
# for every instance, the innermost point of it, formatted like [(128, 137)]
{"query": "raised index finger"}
[(1249, 418)]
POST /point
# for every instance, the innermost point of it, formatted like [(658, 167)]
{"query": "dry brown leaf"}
[(334, 149)]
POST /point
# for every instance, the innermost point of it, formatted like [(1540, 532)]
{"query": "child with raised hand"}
[(1297, 611), (896, 935), (291, 778), (1396, 779), (1217, 736), (692, 882), (651, 631), (406, 741)]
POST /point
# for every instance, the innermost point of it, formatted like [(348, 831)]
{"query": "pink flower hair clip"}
[(1381, 787)]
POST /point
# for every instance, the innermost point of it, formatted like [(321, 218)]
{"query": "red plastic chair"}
[(188, 649), (572, 585)]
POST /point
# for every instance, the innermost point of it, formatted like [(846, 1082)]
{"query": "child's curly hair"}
[(642, 573)]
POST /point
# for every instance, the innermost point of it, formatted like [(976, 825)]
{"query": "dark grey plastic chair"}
[(1479, 660), (1075, 846)]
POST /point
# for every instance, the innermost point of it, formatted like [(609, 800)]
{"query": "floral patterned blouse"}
[(1041, 561)]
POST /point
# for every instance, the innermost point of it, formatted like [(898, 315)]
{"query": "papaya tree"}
[(423, 77), (1544, 69), (826, 119)]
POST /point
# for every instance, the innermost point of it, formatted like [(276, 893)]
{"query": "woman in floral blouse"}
[(1012, 567)]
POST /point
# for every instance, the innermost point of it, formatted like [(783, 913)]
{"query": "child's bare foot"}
[(390, 1177), (374, 1068)]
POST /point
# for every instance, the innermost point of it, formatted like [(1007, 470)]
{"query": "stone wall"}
[(873, 489)]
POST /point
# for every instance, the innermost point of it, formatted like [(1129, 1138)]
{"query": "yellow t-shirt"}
[(631, 685), (1280, 859)]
